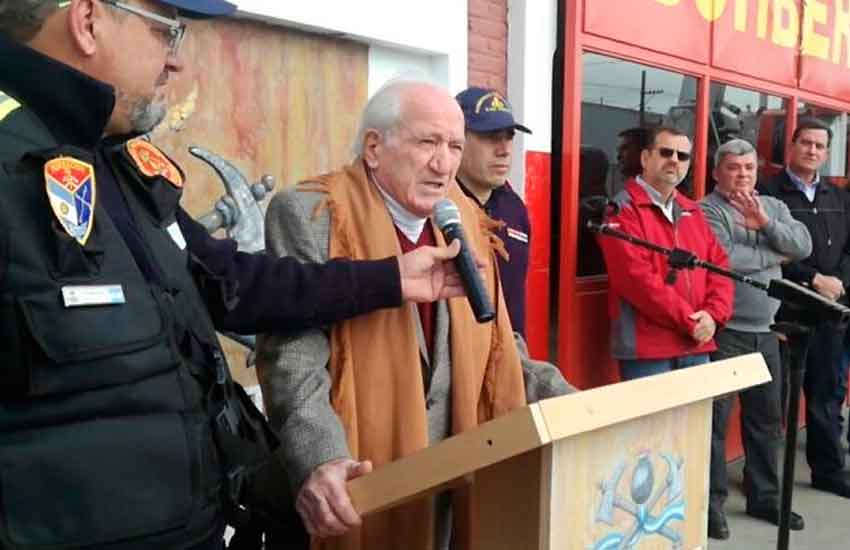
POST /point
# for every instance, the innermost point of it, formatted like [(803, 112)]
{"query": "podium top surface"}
[(544, 422)]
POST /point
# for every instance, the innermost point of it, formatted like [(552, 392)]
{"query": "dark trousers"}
[(761, 424), (823, 401)]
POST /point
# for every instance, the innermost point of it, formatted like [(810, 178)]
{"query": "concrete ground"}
[(827, 516)]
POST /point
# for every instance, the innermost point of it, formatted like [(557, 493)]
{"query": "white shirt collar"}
[(409, 224), (655, 197)]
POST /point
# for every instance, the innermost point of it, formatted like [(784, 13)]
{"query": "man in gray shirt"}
[(759, 234)]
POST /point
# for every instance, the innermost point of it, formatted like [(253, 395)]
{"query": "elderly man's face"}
[(736, 173), (416, 162)]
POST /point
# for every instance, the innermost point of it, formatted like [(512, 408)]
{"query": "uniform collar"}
[(494, 193), (73, 106)]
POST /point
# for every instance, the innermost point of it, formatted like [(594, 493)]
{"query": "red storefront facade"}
[(789, 56)]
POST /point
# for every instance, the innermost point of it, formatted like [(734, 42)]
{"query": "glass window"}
[(835, 167), (757, 117), (620, 102)]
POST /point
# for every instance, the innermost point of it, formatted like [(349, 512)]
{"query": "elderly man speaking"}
[(368, 392)]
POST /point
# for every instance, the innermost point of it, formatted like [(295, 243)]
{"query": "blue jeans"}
[(638, 368)]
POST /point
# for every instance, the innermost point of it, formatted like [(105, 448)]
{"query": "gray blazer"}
[(294, 376)]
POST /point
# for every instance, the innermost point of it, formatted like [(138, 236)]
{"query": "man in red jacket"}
[(663, 319)]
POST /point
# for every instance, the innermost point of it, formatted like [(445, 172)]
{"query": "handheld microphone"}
[(447, 218)]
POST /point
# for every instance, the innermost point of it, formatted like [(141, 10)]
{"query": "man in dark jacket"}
[(825, 211), (110, 294), (483, 173)]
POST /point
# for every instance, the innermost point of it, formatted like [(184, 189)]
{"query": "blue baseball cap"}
[(487, 111), (198, 9)]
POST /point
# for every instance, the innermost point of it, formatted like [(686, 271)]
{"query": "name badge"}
[(92, 295), (176, 235), (518, 235)]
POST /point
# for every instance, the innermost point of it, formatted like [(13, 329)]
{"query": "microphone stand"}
[(677, 258), (815, 310)]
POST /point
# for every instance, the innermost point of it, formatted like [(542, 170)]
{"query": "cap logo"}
[(497, 104)]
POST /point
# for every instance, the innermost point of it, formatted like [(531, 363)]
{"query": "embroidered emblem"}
[(518, 235), (151, 162), (492, 103), (71, 190)]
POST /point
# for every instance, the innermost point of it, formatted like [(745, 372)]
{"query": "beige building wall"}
[(268, 99)]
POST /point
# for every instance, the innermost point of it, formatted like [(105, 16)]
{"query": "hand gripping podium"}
[(620, 466)]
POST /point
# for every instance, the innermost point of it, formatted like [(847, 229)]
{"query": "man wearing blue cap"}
[(490, 129), (121, 428)]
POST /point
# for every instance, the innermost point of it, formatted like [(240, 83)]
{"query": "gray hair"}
[(21, 20), (383, 111), (734, 147)]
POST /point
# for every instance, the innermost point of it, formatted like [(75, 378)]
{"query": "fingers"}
[(359, 469), (703, 331), (449, 252), (315, 510), (702, 334), (323, 502)]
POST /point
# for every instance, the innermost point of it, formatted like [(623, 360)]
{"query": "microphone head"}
[(446, 213)]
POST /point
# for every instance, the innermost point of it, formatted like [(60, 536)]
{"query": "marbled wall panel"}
[(268, 99)]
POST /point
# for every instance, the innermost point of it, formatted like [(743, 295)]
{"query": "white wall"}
[(430, 34), (531, 45), (389, 63)]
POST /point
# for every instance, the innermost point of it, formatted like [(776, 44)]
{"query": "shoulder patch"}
[(152, 162), (71, 189)]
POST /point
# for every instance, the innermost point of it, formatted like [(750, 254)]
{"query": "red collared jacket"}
[(648, 307)]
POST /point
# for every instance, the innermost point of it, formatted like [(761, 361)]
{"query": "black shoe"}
[(771, 515), (837, 485), (717, 527)]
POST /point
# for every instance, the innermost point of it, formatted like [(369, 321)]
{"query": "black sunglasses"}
[(667, 153)]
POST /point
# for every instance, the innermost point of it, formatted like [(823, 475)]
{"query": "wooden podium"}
[(620, 466)]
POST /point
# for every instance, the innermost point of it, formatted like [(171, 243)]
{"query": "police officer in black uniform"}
[(111, 375)]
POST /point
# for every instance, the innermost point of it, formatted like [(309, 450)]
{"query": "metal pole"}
[(798, 343)]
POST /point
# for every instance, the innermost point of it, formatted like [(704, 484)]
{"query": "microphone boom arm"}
[(678, 258), (814, 306)]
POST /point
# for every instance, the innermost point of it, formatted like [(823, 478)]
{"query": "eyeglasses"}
[(176, 29), (666, 152)]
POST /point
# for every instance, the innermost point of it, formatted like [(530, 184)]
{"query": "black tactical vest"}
[(105, 438)]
